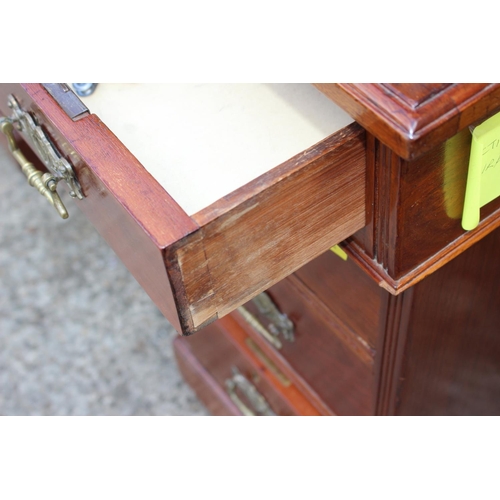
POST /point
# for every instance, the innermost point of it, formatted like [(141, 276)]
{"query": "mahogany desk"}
[(408, 324)]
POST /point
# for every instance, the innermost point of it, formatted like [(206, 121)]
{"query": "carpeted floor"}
[(78, 335)]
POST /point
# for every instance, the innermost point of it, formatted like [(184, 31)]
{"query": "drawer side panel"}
[(135, 216), (274, 232)]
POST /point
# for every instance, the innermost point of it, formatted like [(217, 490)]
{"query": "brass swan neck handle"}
[(45, 183)]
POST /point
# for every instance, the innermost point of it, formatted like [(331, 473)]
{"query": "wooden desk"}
[(414, 310), (407, 325)]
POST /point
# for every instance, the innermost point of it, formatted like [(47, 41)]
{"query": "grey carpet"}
[(78, 335)]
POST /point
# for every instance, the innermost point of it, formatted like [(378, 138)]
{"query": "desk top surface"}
[(412, 118)]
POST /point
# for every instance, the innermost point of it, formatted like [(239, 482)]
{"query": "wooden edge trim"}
[(391, 347), (122, 174), (287, 169), (405, 129), (438, 260)]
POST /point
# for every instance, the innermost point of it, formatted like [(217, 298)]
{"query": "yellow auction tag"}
[(483, 179), (337, 250)]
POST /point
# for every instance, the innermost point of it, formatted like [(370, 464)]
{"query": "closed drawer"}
[(222, 368), (201, 251), (324, 359), (349, 292)]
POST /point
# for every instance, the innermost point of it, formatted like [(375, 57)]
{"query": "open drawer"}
[(209, 194)]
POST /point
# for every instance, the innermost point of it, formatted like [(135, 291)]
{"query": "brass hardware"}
[(46, 184), (279, 323), (58, 166), (280, 376), (257, 326), (259, 404)]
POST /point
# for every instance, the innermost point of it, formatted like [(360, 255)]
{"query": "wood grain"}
[(417, 214), (451, 360), (208, 390), (198, 269), (348, 292), (222, 346), (265, 231), (411, 119), (414, 222), (127, 206), (288, 369), (294, 395), (365, 236), (437, 349), (416, 94), (390, 349), (326, 359)]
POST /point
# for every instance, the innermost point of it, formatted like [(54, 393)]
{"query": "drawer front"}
[(199, 268), (229, 378), (208, 390), (350, 294), (323, 358)]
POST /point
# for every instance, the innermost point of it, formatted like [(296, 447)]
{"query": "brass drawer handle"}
[(45, 183), (259, 328), (258, 402), (278, 323), (267, 362)]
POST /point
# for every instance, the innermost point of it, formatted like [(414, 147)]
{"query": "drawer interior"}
[(203, 141), (279, 177)]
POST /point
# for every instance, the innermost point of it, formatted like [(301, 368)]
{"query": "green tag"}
[(483, 179)]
